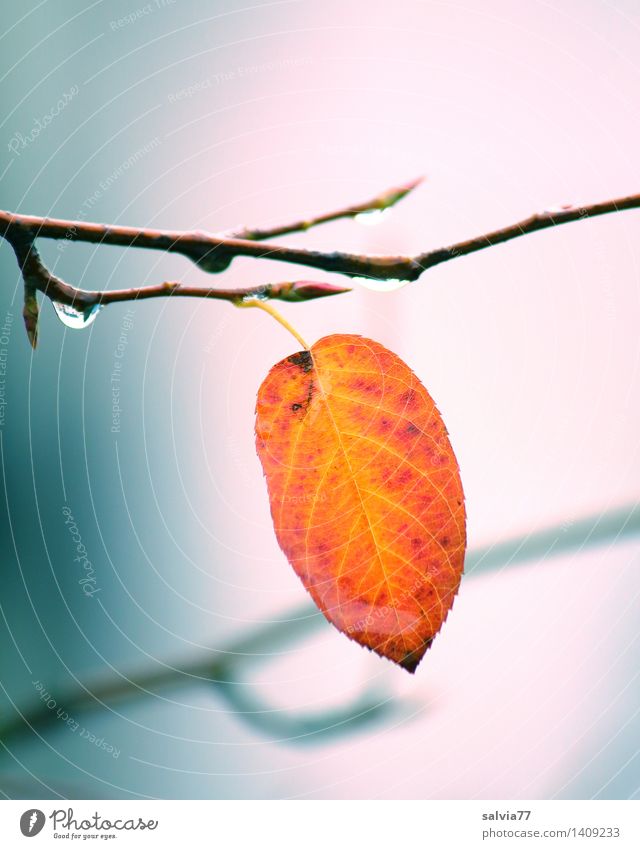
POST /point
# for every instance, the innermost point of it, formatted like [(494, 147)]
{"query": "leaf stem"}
[(267, 307)]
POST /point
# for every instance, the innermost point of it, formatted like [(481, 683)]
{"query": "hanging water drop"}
[(261, 294), (374, 285), (75, 318), (214, 262), (372, 217)]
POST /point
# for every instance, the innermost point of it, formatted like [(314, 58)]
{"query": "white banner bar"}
[(322, 824)]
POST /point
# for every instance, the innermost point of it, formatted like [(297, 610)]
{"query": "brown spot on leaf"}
[(303, 360)]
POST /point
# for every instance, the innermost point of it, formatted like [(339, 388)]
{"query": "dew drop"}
[(380, 285), (258, 295), (74, 318), (554, 210), (372, 217), (214, 262)]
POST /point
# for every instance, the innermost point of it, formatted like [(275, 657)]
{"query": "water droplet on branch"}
[(260, 294), (76, 319), (214, 262), (372, 217), (380, 285)]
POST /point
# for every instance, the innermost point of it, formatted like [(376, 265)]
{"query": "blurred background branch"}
[(224, 676)]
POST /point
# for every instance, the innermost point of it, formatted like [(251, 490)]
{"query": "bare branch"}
[(213, 252), (293, 292), (539, 221), (37, 277), (381, 202)]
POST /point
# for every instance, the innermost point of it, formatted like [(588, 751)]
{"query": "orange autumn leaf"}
[(365, 492)]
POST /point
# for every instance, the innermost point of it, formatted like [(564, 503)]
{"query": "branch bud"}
[(306, 290), (30, 313)]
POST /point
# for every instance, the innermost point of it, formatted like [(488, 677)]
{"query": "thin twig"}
[(379, 203), (539, 221), (38, 277)]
